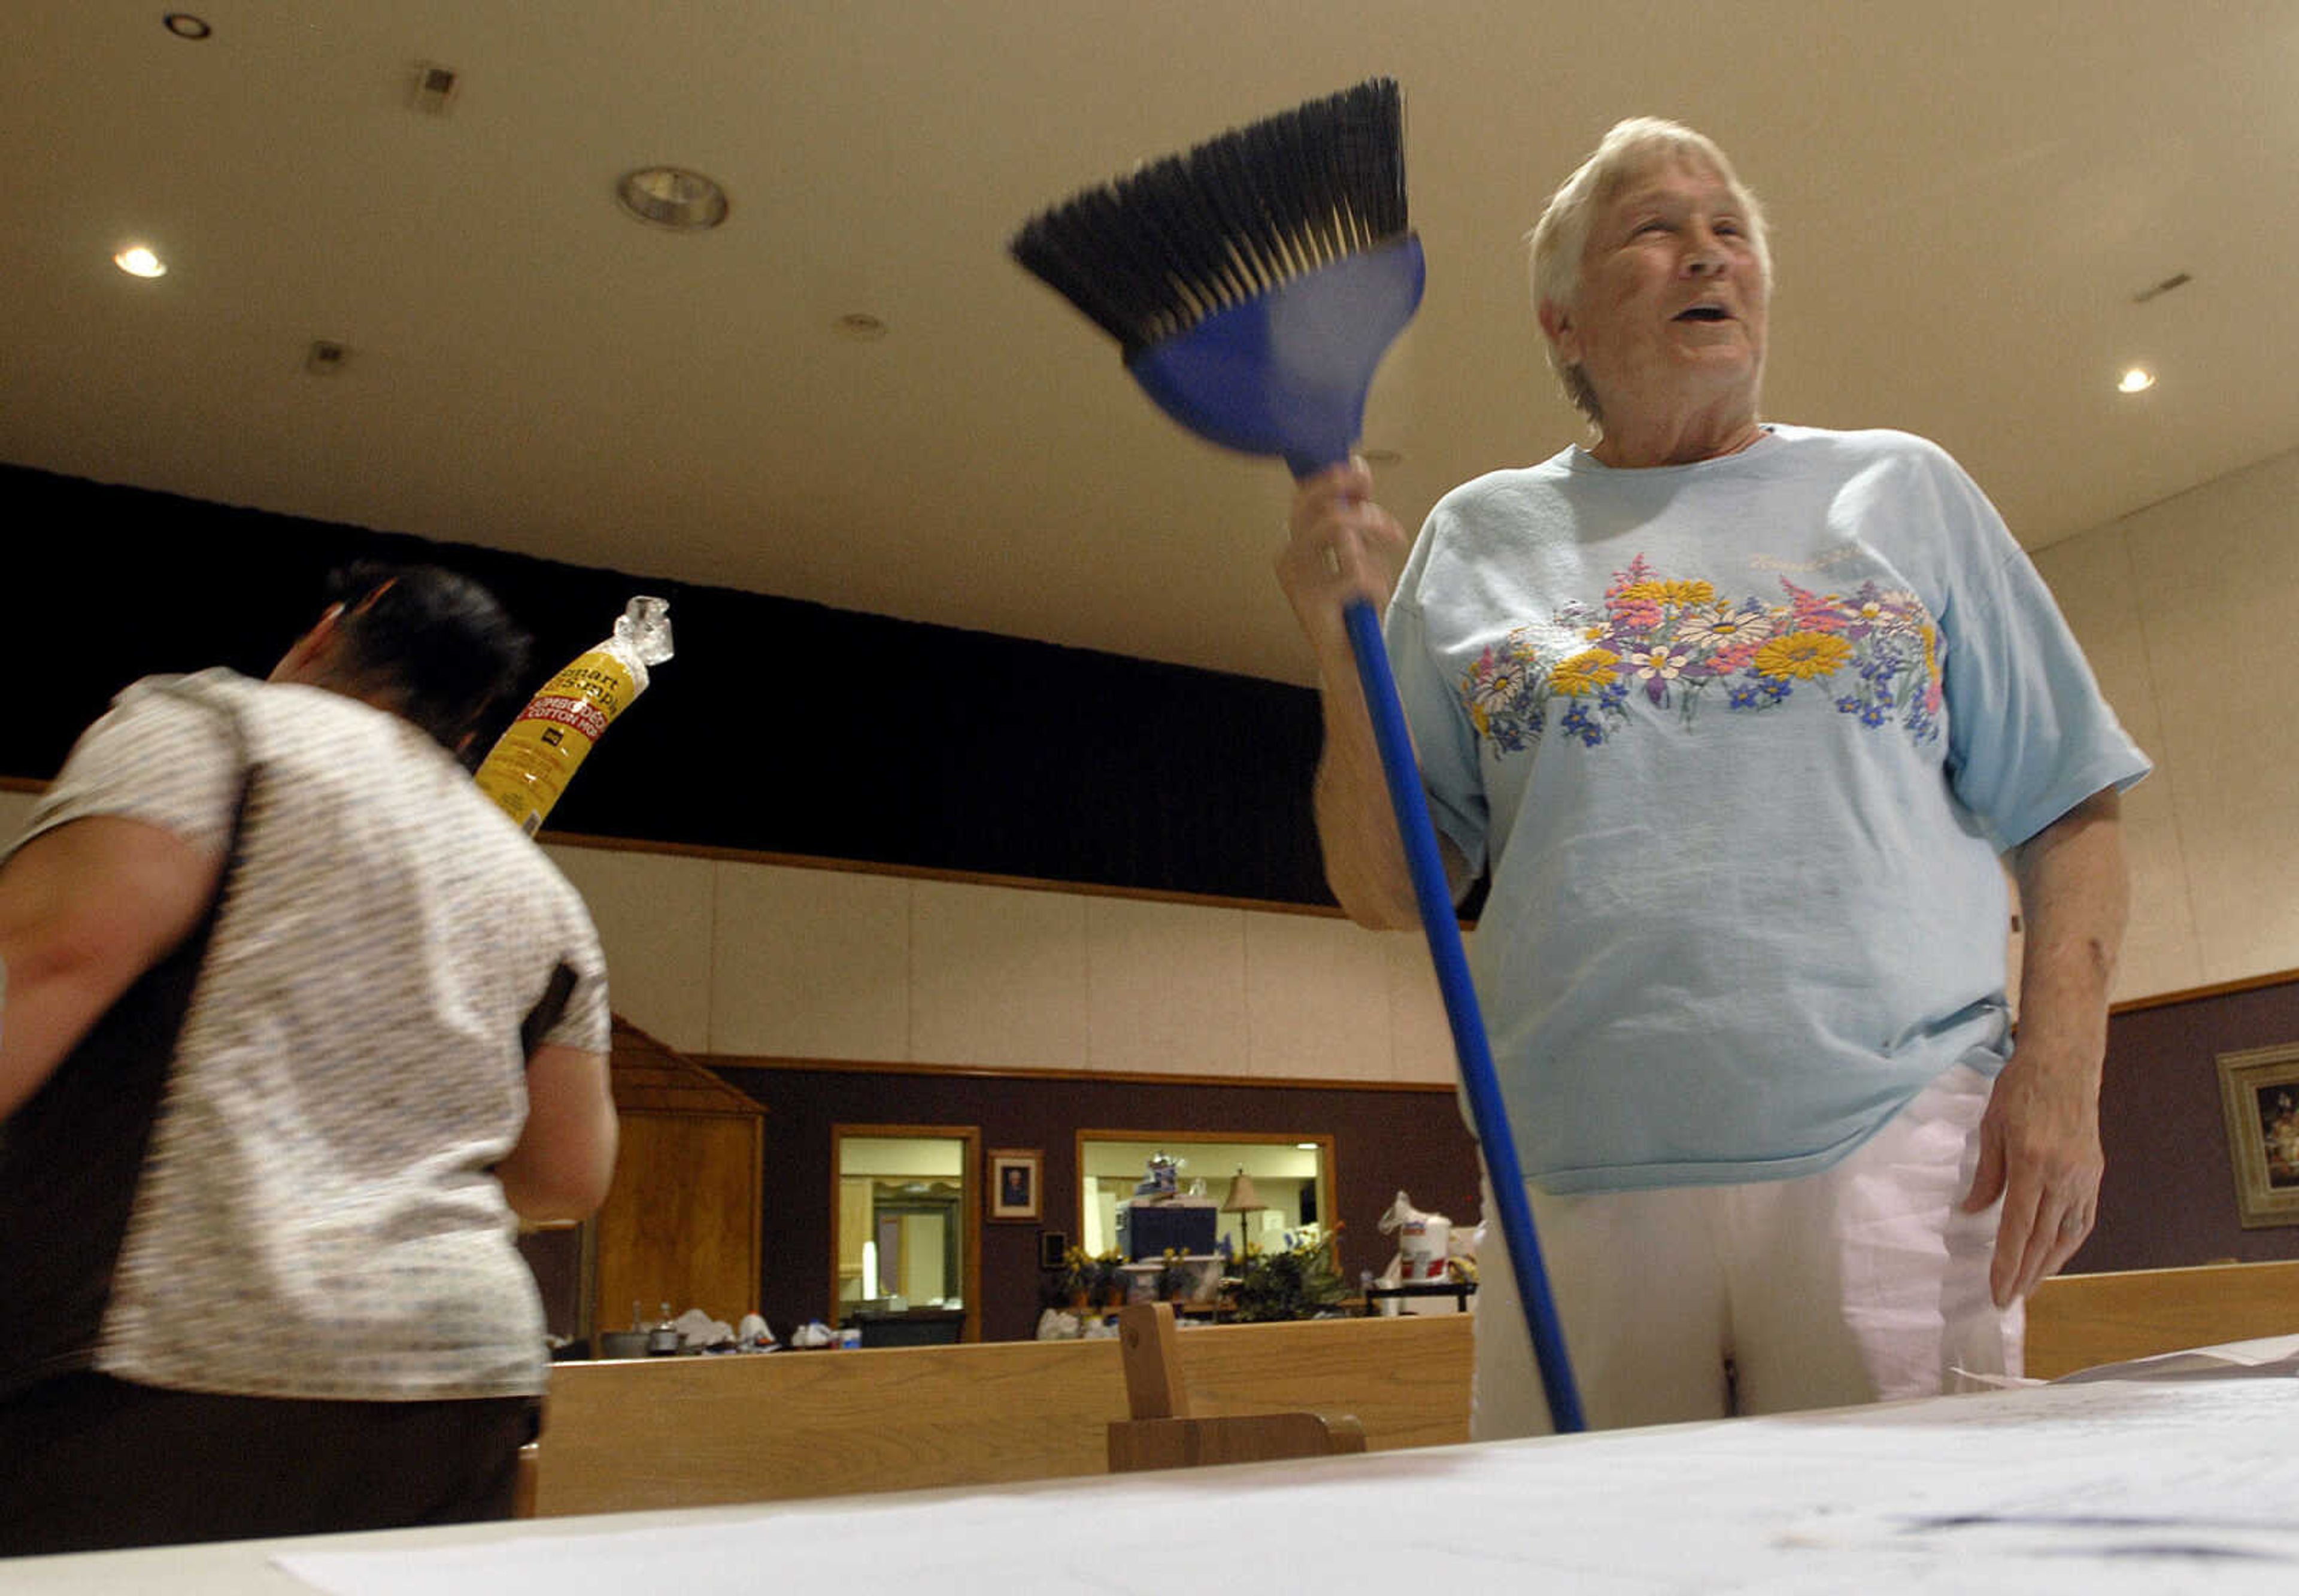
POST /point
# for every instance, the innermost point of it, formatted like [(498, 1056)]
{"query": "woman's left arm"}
[(2039, 1144)]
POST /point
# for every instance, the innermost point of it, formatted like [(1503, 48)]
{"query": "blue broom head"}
[(1253, 283), (1287, 372)]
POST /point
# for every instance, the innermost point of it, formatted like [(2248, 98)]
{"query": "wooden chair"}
[(1163, 1434)]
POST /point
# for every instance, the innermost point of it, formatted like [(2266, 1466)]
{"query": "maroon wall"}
[(2168, 1196), (1384, 1142), (2168, 1199)]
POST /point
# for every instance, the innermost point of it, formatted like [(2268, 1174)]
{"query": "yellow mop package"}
[(530, 765)]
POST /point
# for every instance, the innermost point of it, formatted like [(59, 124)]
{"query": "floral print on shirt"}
[(1872, 653)]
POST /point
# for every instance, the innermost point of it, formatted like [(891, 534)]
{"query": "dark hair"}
[(436, 643)]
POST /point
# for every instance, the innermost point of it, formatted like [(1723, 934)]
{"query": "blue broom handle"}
[(1438, 919)]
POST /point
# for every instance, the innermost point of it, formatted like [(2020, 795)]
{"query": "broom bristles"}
[(1153, 253)]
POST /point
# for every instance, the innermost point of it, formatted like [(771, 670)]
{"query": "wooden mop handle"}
[(1437, 919)]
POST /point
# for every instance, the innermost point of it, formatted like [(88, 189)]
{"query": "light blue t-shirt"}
[(1742, 740)]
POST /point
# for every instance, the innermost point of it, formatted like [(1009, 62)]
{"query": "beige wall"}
[(2185, 609), (713, 956), (724, 957)]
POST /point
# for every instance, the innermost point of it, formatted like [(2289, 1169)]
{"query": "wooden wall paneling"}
[(683, 1222)]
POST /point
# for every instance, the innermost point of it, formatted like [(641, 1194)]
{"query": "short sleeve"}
[(1443, 740), (2029, 734), (164, 754), (585, 1023)]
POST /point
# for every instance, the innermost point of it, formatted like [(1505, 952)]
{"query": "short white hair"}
[(1632, 149)]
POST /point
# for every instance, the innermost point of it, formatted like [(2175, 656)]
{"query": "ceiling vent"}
[(2157, 290), (434, 88)]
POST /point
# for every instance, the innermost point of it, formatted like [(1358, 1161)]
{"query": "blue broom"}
[(1254, 285)]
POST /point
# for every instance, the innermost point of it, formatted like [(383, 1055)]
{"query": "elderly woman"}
[(1739, 718)]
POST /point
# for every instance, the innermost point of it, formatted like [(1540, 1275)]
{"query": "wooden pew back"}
[(692, 1432), (2078, 1321)]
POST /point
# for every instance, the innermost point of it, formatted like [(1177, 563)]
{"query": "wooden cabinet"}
[(681, 1223)]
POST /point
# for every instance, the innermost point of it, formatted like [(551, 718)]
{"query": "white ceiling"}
[(1965, 199)]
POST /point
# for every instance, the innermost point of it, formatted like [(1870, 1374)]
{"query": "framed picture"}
[(1014, 1177), (2260, 1091)]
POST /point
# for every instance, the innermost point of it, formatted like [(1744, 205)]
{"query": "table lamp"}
[(1242, 1200)]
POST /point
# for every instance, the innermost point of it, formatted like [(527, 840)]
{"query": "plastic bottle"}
[(531, 763)]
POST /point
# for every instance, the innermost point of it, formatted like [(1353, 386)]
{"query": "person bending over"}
[(295, 1023)]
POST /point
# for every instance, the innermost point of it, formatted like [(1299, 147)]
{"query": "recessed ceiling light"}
[(2138, 380), (138, 261), (183, 24), (670, 197)]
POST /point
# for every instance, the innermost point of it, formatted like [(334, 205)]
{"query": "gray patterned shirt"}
[(316, 1217)]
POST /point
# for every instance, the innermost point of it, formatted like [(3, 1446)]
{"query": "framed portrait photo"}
[(1014, 1176), (2260, 1091)]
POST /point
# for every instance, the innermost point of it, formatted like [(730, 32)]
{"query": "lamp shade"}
[(1242, 1197)]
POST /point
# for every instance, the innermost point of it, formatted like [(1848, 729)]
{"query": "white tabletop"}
[(2171, 1483)]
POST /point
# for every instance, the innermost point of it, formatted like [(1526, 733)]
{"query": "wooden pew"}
[(2079, 1321), (692, 1432)]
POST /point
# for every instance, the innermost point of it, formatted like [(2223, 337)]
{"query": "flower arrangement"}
[(1069, 1285), (1300, 1283), (1110, 1278), (1086, 1280)]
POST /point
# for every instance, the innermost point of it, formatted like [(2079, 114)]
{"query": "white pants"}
[(1863, 1283)]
